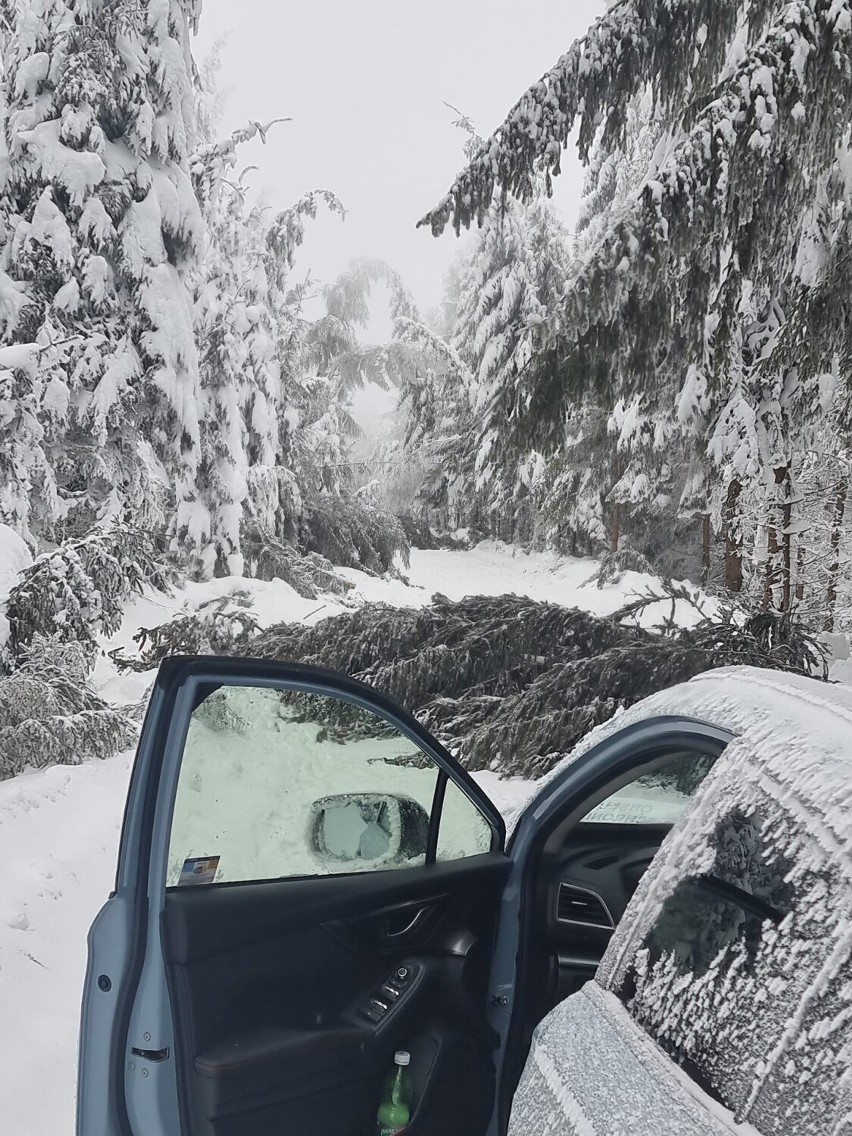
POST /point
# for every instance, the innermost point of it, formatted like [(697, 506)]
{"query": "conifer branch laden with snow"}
[(101, 226), (50, 714), (77, 592), (718, 213), (705, 292), (508, 683), (157, 359)]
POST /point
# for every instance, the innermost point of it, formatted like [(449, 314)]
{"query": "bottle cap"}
[(402, 1057)]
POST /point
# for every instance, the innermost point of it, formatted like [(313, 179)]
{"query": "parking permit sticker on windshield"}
[(199, 870)]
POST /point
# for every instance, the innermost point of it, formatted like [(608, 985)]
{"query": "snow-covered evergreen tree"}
[(238, 310), (76, 592), (496, 297), (102, 228), (25, 475), (49, 714), (286, 399), (223, 332), (720, 278)]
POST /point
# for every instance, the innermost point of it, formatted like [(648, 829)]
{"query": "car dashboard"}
[(585, 882)]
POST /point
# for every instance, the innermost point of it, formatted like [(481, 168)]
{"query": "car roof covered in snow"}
[(798, 729)]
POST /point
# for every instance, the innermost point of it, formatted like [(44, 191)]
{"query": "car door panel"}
[(238, 1008), (272, 982), (248, 1007)]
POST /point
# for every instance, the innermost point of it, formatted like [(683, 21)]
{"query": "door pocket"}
[(249, 1082)]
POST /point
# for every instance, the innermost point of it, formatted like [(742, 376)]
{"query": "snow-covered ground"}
[(59, 827)]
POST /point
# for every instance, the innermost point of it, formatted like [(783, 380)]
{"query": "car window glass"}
[(658, 797), (276, 784), (463, 831), (744, 976)]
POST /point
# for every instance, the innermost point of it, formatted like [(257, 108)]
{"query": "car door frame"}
[(620, 754), (126, 1016)]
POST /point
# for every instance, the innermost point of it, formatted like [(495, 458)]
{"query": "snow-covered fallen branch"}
[(508, 683), (50, 715)]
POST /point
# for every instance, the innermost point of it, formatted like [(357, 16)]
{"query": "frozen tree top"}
[(744, 200)]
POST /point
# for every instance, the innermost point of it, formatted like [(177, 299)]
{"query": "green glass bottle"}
[(394, 1111)]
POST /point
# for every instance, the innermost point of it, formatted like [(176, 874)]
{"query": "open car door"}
[(307, 881)]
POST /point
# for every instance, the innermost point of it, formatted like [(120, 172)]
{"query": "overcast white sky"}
[(365, 82)]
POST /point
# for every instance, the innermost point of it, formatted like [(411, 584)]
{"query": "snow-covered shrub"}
[(221, 626), (420, 535), (50, 714), (270, 558), (353, 533), (614, 564), (77, 591)]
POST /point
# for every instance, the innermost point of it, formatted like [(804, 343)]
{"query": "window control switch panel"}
[(388, 995)]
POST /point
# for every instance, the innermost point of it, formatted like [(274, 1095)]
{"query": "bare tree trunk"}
[(834, 567), (786, 541), (770, 579), (779, 555), (615, 520), (615, 528), (733, 539), (800, 572), (705, 549), (508, 527)]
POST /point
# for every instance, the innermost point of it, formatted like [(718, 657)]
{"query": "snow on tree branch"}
[(716, 224), (507, 682), (594, 82)]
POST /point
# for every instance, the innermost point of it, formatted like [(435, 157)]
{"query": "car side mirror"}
[(381, 828)]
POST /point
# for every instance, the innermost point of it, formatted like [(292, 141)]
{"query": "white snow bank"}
[(493, 568), (59, 832)]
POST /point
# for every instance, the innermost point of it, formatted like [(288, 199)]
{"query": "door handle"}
[(389, 935)]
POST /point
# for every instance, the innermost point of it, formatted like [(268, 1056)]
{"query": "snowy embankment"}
[(59, 827)]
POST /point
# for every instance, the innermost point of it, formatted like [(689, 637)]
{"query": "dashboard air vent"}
[(586, 908)]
